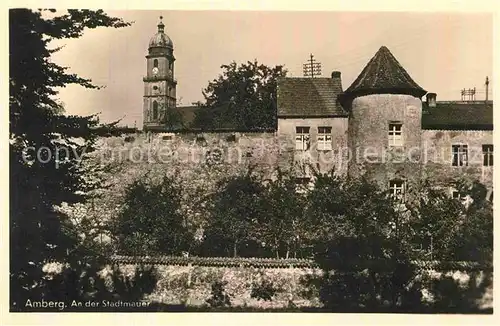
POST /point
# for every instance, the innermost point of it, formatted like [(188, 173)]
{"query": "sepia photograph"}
[(250, 161)]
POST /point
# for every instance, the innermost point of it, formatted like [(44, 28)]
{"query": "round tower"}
[(159, 82), (384, 133)]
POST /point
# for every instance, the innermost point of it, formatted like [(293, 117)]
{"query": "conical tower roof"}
[(384, 75)]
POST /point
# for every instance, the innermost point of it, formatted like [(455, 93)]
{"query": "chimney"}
[(431, 100), (336, 74)]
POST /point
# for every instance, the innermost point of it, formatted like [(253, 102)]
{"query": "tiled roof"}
[(309, 97), (188, 113), (288, 262), (384, 75), (183, 117), (457, 115)]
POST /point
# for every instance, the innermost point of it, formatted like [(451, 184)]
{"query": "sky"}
[(442, 52)]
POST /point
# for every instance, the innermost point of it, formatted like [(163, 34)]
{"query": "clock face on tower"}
[(155, 70)]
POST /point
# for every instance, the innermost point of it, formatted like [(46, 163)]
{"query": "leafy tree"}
[(359, 239), (38, 126), (282, 226), (234, 211), (435, 221), (473, 240), (461, 228), (243, 97), (151, 220)]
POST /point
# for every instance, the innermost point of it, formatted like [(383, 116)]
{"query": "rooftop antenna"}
[(312, 68), (468, 94)]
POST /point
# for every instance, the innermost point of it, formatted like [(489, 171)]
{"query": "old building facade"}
[(379, 127)]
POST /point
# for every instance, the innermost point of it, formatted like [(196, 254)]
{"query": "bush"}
[(218, 297), (264, 291)]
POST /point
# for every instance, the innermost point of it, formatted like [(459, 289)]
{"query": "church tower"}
[(159, 82)]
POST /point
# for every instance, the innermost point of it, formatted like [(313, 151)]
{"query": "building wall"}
[(324, 160), (369, 142), (437, 156)]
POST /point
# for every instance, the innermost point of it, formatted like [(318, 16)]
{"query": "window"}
[(302, 138), (395, 134), (459, 153), (324, 138), (455, 194), (487, 155), (170, 65), (155, 63), (155, 110), (397, 189)]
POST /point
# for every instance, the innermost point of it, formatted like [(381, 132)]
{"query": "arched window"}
[(155, 110), (155, 63)]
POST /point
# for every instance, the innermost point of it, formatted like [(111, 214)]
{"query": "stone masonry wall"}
[(198, 162), (191, 285)]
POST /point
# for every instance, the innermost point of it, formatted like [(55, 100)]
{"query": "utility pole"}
[(487, 83), (312, 68)]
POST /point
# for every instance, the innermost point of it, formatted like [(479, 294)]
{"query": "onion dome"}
[(160, 39)]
